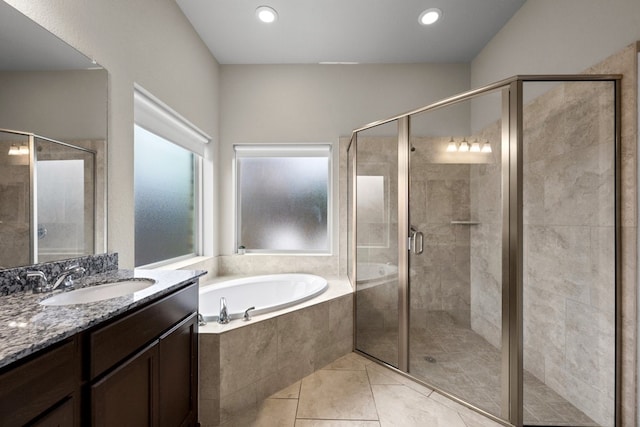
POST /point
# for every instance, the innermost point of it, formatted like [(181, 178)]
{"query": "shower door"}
[(486, 234), (455, 261), (65, 216), (376, 190)]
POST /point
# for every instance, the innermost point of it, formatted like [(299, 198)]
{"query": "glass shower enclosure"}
[(47, 199), (483, 246)]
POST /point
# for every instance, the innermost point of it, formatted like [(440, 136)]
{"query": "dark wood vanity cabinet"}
[(42, 390), (157, 384), (138, 369)]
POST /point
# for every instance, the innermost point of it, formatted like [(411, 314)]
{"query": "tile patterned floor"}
[(455, 358), (356, 392)]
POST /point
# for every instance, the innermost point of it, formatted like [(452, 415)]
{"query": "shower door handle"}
[(416, 241)]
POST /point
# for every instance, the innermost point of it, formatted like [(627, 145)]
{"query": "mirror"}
[(53, 141)]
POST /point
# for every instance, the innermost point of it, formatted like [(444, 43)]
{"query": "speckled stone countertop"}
[(26, 326)]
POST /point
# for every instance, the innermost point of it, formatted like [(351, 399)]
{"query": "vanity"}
[(130, 360)]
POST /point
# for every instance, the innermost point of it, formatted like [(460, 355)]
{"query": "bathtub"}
[(266, 293), (241, 363), (375, 271)]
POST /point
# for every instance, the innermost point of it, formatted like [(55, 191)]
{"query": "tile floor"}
[(356, 392), (455, 358)]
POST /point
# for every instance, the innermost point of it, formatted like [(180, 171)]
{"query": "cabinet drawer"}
[(110, 344), (35, 386)]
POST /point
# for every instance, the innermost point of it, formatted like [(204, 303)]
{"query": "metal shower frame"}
[(512, 232)]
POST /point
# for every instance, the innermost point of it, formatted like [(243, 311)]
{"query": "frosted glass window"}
[(165, 214), (283, 199)]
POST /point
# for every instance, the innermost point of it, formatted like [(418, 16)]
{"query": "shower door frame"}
[(33, 187), (512, 232)]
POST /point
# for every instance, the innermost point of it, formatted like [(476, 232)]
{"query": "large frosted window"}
[(283, 195), (164, 199)]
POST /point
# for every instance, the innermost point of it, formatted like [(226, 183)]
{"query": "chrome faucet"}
[(223, 318), (63, 280), (43, 283), (247, 316)]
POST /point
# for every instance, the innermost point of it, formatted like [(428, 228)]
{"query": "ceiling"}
[(363, 31)]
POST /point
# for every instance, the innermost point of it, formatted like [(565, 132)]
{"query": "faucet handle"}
[(247, 316), (43, 282)]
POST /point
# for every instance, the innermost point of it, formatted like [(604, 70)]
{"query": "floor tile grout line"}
[(295, 416), (373, 396)]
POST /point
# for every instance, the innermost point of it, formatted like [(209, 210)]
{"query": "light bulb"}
[(486, 147), (14, 150), (475, 147), (464, 146), (266, 14), (24, 149), (430, 16), (452, 147)]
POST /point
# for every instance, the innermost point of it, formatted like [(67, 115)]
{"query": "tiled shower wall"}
[(568, 249), (14, 208), (439, 195)]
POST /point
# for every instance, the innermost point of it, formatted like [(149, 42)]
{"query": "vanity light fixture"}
[(16, 150), (430, 16), (266, 14), (466, 147)]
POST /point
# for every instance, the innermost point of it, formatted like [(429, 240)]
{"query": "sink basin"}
[(99, 292)]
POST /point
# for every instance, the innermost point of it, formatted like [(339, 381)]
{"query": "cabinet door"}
[(127, 396), (62, 416), (178, 353)]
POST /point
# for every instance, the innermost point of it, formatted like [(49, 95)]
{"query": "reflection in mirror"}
[(48, 88)]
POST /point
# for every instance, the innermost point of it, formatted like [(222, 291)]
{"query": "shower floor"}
[(458, 360)]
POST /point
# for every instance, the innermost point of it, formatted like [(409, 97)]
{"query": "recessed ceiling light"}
[(430, 16), (266, 14)]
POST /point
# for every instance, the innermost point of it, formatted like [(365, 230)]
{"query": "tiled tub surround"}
[(242, 363), (26, 326)]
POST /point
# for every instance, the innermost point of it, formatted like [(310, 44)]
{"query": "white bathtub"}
[(374, 271), (265, 293)]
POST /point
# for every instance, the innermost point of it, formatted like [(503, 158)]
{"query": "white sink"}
[(99, 292)]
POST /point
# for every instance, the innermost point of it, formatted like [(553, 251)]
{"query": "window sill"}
[(184, 264)]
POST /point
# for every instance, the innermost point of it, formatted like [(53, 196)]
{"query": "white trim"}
[(157, 117), (325, 150), (282, 150)]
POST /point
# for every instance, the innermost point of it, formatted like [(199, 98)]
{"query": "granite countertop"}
[(26, 326)]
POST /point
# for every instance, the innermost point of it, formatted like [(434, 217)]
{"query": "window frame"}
[(158, 118), (324, 150)]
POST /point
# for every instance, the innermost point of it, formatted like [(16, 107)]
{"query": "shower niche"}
[(483, 247)]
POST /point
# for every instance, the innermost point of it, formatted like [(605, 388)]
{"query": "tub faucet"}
[(223, 318), (247, 316)]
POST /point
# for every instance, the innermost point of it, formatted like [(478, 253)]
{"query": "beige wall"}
[(131, 39), (317, 103), (63, 105), (555, 37)]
